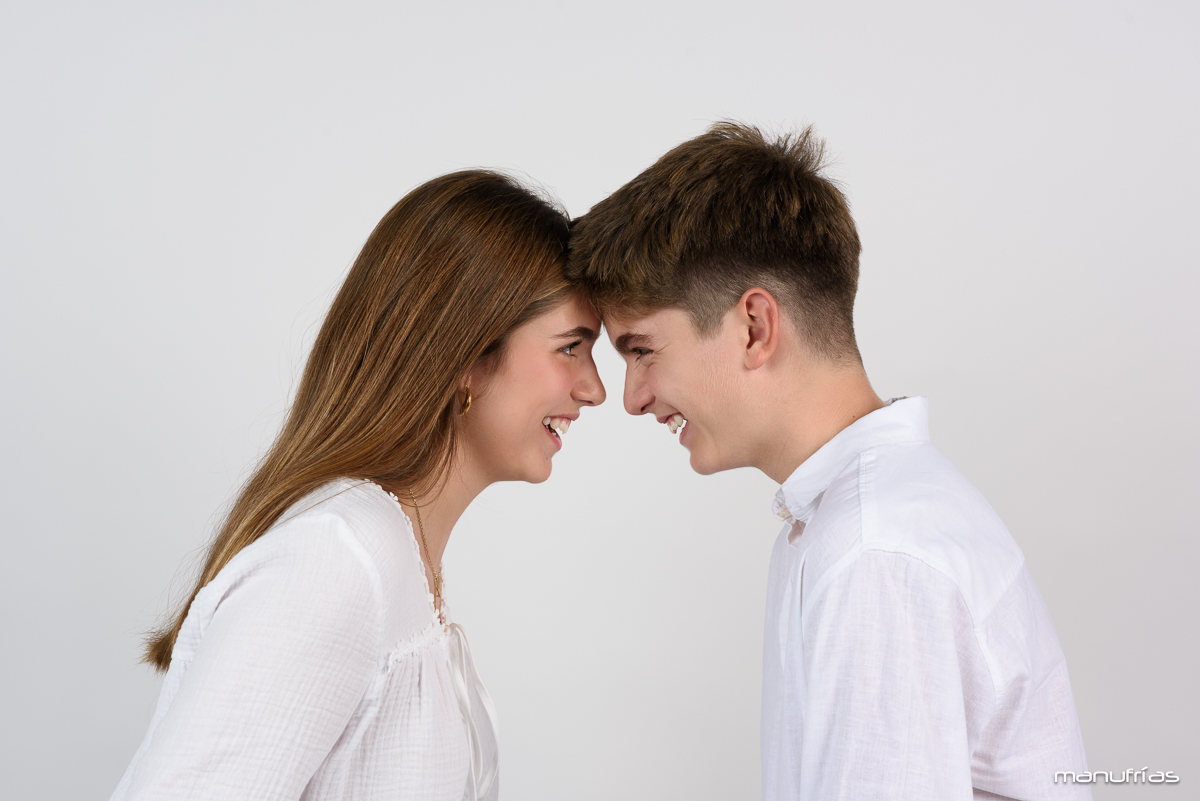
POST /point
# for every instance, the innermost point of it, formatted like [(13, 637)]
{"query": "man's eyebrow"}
[(579, 332), (630, 340)]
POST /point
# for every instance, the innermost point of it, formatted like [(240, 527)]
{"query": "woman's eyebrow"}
[(579, 332)]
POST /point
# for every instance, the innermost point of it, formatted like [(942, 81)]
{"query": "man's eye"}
[(640, 352)]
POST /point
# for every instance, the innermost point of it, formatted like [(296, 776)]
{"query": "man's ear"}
[(759, 313)]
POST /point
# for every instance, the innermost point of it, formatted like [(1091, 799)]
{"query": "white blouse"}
[(314, 666)]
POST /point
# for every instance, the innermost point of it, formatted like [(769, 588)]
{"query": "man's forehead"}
[(643, 331), (622, 328), (652, 323), (619, 326)]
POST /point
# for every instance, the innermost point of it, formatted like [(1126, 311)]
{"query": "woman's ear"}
[(758, 313), (476, 379)]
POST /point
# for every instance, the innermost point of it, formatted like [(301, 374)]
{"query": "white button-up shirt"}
[(907, 651)]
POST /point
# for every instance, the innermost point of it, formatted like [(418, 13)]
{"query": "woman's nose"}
[(590, 389)]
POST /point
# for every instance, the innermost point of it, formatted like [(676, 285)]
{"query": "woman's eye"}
[(569, 348)]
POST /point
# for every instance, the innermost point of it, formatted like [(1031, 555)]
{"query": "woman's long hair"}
[(443, 279)]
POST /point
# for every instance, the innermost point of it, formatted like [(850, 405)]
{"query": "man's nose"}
[(637, 395)]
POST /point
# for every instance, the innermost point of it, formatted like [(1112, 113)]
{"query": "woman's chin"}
[(532, 473), (539, 476)]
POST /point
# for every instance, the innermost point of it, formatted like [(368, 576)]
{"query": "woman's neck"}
[(438, 514)]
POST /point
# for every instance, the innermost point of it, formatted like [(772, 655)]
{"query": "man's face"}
[(676, 375)]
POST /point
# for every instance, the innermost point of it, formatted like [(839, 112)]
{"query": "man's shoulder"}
[(910, 501), (915, 502)]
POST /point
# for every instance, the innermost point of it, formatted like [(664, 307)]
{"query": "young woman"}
[(315, 658)]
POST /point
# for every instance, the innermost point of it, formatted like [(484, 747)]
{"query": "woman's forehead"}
[(573, 314)]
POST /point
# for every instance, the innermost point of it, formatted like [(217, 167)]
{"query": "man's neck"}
[(811, 413)]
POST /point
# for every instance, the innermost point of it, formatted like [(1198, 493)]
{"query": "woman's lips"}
[(555, 427)]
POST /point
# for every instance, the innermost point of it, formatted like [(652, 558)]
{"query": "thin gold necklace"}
[(437, 575)]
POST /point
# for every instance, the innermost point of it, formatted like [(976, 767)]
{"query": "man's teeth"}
[(675, 422), (559, 424)]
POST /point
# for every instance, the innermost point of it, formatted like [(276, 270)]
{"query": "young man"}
[(908, 654)]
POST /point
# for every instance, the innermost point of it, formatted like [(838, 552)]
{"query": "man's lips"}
[(674, 421)]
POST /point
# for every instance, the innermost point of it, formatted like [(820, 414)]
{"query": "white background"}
[(183, 188)]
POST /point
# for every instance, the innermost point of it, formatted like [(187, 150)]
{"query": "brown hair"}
[(717, 215), (443, 279)]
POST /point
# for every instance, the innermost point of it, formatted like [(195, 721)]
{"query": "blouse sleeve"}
[(288, 654)]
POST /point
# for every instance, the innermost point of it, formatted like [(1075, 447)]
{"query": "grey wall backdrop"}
[(183, 188)]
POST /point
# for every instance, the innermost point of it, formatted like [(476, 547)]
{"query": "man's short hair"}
[(719, 214)]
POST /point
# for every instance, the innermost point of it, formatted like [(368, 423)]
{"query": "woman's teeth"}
[(559, 424), (675, 422)]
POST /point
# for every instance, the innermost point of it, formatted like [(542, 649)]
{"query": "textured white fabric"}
[(907, 651), (315, 667)]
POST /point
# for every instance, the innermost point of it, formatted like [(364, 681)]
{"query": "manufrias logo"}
[(1130, 776)]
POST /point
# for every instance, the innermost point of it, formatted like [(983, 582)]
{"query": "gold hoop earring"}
[(466, 407)]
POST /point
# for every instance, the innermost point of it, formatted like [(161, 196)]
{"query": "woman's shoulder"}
[(346, 538), (375, 524), (362, 507), (336, 523), (370, 514)]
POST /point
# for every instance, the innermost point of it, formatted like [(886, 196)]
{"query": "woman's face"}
[(522, 407)]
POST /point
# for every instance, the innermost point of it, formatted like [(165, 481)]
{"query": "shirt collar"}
[(901, 420)]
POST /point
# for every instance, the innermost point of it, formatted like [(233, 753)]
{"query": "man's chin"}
[(703, 466)]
